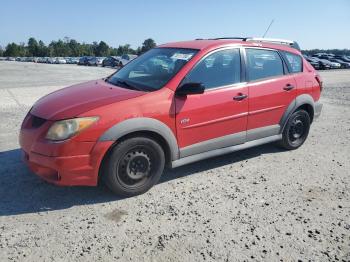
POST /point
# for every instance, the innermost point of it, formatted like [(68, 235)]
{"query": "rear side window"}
[(294, 62), (263, 64), (217, 69)]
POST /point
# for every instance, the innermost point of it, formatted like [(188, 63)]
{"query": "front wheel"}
[(296, 130), (134, 166)]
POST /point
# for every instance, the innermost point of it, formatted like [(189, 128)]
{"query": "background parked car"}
[(50, 60), (60, 60), (84, 60), (73, 60), (334, 65), (314, 63), (111, 61), (92, 61), (325, 64), (126, 59), (342, 63), (100, 60), (343, 58), (317, 62)]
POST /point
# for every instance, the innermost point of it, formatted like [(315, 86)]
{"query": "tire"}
[(296, 130), (134, 166)]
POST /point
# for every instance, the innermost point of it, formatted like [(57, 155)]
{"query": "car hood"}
[(74, 100)]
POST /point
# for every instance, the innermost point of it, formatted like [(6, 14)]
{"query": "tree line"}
[(72, 48)]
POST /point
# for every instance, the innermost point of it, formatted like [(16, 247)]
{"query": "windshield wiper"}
[(126, 84)]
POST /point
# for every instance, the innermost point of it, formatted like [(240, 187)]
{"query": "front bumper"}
[(71, 170), (70, 162), (318, 109)]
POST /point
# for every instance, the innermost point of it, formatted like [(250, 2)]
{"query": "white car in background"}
[(335, 65), (50, 60), (99, 60), (60, 60)]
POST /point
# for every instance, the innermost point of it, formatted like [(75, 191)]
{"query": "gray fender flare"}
[(297, 102), (143, 124)]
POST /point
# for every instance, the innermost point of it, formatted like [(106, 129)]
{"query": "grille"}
[(37, 121)]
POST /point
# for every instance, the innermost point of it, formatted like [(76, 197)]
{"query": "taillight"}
[(319, 81)]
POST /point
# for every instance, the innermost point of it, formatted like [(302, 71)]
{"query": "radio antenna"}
[(268, 28)]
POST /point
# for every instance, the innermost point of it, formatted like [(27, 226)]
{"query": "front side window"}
[(218, 69), (294, 62), (263, 64), (152, 70)]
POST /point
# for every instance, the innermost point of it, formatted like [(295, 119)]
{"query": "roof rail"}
[(231, 37), (275, 41), (291, 43)]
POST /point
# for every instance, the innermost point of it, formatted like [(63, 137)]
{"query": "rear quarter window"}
[(294, 62), (263, 64)]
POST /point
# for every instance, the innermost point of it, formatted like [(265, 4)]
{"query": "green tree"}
[(1, 51), (139, 51), (113, 51), (32, 47), (147, 45), (102, 49), (14, 50), (71, 47), (125, 49), (43, 50), (86, 50), (58, 48), (122, 49), (74, 48), (94, 47)]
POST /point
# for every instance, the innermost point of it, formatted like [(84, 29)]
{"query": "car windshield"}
[(152, 70)]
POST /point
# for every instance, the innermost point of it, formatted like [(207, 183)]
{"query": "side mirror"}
[(190, 89)]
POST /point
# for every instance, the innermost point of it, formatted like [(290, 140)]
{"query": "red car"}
[(176, 104)]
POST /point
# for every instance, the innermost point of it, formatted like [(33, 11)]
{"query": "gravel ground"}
[(261, 204)]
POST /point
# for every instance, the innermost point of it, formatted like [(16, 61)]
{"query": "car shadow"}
[(22, 192)]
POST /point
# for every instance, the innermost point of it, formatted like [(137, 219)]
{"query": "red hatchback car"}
[(176, 104)]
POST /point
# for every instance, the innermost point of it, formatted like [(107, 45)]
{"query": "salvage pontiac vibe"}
[(176, 104)]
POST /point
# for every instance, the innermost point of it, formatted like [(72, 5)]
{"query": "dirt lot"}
[(259, 204)]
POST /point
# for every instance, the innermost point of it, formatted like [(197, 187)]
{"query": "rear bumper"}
[(318, 109), (68, 170)]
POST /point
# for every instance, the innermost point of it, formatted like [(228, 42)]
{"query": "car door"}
[(218, 117), (271, 90)]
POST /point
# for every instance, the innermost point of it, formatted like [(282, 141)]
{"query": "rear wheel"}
[(296, 130), (134, 166)]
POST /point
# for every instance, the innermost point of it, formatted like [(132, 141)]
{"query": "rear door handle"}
[(240, 97), (288, 87)]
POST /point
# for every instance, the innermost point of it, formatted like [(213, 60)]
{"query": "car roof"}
[(201, 44)]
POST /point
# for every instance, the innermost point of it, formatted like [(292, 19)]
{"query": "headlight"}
[(65, 129)]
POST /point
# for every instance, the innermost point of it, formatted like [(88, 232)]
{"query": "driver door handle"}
[(240, 97), (288, 87)]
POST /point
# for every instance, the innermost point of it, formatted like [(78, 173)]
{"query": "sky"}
[(312, 23)]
